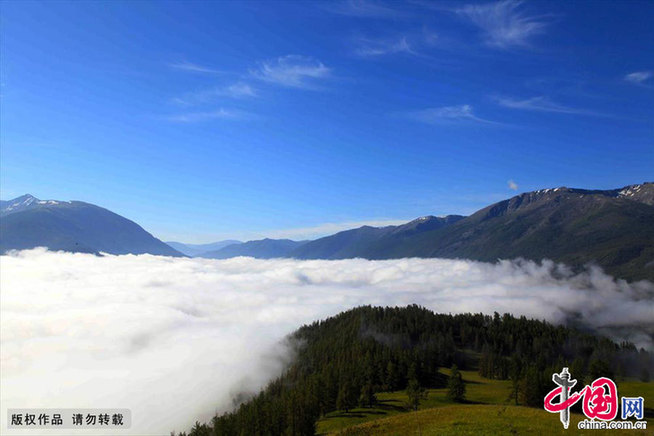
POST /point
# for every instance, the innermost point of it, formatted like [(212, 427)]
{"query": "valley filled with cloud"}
[(178, 339)]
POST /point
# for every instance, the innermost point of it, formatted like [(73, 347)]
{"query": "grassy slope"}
[(475, 420), (487, 411)]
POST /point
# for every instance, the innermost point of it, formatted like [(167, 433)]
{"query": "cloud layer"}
[(175, 339)]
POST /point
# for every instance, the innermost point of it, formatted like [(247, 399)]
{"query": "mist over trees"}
[(343, 361)]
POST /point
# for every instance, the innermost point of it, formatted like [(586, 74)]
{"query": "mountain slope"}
[(261, 249), (611, 228), (364, 241), (614, 229), (198, 249), (73, 226)]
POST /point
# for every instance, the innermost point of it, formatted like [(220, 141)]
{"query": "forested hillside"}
[(345, 360)]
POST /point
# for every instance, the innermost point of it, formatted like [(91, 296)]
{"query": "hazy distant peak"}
[(262, 249), (24, 199), (197, 249)]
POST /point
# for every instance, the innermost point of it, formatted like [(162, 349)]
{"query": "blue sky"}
[(210, 120)]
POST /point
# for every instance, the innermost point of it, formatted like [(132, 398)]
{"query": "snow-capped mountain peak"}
[(24, 202)]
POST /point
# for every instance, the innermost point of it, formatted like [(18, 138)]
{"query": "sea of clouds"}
[(176, 339)]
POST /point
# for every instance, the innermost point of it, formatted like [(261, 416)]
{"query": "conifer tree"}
[(577, 371), (345, 400), (456, 388), (367, 397), (414, 390)]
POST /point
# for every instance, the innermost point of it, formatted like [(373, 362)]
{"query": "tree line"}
[(343, 361)]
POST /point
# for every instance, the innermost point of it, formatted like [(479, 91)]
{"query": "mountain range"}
[(367, 241), (611, 228), (261, 249), (194, 250)]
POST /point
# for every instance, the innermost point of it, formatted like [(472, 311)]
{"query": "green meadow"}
[(487, 411)]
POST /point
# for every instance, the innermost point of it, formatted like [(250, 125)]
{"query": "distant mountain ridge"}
[(361, 242), (198, 249), (261, 249), (27, 222), (611, 228)]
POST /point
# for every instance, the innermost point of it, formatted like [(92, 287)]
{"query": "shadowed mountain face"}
[(27, 222), (261, 249), (368, 241), (612, 228)]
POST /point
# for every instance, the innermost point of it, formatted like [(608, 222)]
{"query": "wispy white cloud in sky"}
[(542, 104), (503, 23), (416, 42), (367, 47), (512, 185), (237, 90), (218, 114), (195, 68), (360, 8), (638, 77), (430, 37), (448, 115), (291, 71)]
